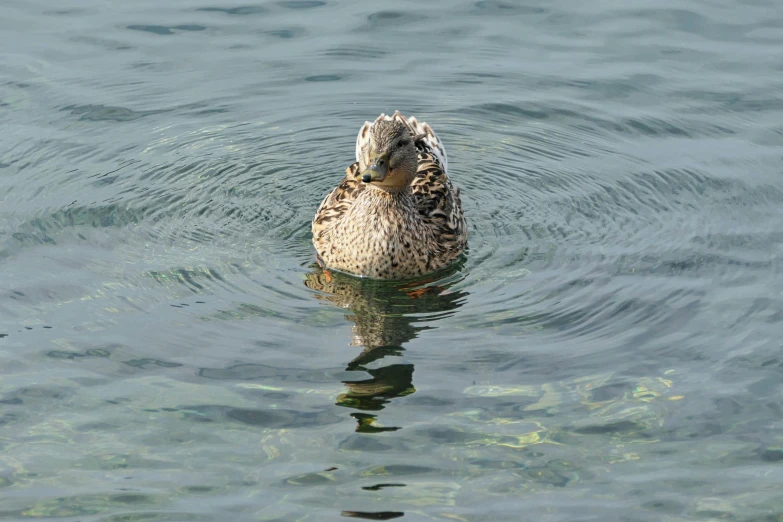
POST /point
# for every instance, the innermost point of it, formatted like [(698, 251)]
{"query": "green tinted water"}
[(610, 349)]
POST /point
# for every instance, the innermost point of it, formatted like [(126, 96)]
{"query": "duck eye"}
[(401, 144)]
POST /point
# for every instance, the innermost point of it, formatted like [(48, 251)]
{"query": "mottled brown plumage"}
[(395, 214)]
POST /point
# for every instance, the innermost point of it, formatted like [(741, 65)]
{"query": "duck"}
[(396, 214)]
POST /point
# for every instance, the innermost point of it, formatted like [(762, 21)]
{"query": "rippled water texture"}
[(610, 349)]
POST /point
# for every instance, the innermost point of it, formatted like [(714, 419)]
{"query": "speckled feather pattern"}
[(371, 232)]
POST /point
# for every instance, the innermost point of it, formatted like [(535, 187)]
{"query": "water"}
[(610, 350)]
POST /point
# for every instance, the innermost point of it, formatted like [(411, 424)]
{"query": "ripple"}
[(358, 52), (294, 32), (265, 418), (301, 4), (165, 30), (240, 10), (505, 8), (100, 113), (324, 78), (386, 20)]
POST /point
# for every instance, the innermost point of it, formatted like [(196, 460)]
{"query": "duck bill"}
[(377, 171)]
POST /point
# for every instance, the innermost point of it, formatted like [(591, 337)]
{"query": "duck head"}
[(390, 160)]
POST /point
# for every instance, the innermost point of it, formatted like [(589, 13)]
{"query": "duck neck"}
[(398, 202), (392, 193)]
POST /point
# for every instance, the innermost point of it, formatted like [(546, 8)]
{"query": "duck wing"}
[(338, 201), (438, 201)]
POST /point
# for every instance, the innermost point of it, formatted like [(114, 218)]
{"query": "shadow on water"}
[(378, 515), (385, 316)]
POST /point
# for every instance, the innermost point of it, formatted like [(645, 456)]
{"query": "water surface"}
[(610, 349)]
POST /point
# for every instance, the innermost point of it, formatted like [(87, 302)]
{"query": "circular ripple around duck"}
[(577, 237), (236, 198)]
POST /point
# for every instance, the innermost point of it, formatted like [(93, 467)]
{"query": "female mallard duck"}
[(395, 215)]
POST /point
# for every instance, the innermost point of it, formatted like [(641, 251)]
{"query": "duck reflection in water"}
[(385, 316)]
